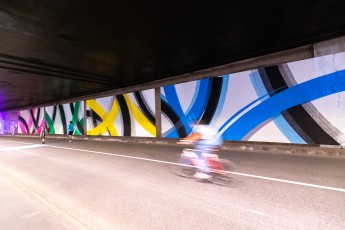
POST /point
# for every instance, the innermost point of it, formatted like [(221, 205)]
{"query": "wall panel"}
[(131, 114), (297, 102), (59, 116), (31, 121)]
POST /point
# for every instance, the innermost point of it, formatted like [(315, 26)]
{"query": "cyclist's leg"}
[(201, 148)]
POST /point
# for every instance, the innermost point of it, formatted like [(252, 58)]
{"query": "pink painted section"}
[(43, 122), (31, 124), (21, 126)]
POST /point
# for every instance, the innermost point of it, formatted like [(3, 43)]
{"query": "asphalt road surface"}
[(112, 185)]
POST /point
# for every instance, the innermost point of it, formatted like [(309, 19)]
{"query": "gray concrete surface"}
[(114, 185)]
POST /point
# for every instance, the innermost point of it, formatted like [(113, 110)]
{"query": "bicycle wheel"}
[(223, 177), (184, 168), (228, 165)]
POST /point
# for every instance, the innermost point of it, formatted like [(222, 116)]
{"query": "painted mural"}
[(29, 121), (58, 117), (8, 127), (298, 102), (9, 123), (131, 114)]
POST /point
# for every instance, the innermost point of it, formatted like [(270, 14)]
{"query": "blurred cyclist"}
[(43, 134), (206, 140)]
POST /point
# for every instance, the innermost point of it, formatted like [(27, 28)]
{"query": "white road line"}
[(256, 212), (21, 147), (172, 163), (235, 173), (289, 182), (19, 142)]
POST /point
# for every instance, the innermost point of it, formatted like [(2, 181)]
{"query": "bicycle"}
[(220, 168)]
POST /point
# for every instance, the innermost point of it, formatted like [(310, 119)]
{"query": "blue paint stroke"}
[(279, 121), (296, 95)]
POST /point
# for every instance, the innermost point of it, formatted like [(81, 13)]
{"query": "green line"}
[(76, 112), (50, 123)]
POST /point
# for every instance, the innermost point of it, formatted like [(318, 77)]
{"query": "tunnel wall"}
[(31, 121), (301, 101), (131, 114), (9, 122), (58, 117)]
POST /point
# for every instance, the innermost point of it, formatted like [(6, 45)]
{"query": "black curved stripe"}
[(63, 119), (23, 121), (79, 126), (174, 118), (34, 120), (94, 116), (144, 107), (300, 116), (54, 113), (125, 115), (71, 106), (306, 122), (213, 100)]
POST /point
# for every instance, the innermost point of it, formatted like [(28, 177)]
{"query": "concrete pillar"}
[(158, 112), (85, 131)]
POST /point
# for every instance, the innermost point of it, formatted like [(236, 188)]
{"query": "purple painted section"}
[(8, 123)]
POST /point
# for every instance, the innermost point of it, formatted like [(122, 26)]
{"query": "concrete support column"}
[(85, 131), (158, 112)]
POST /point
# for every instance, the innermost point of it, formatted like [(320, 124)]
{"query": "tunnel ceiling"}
[(57, 50)]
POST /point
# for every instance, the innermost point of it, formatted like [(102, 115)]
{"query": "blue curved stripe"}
[(279, 121), (259, 87), (196, 110), (240, 111), (173, 101), (172, 133), (296, 95), (288, 131), (197, 89), (200, 103)]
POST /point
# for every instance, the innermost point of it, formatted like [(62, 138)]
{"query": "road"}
[(113, 185)]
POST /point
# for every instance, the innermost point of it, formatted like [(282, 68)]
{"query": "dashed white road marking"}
[(256, 212)]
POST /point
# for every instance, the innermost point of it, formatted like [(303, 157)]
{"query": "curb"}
[(257, 147)]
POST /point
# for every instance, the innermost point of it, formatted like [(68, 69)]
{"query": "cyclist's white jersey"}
[(208, 134)]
